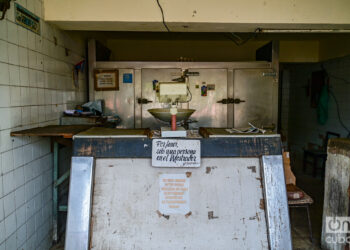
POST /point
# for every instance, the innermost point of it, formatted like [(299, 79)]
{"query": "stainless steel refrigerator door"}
[(120, 102), (208, 112), (260, 95)]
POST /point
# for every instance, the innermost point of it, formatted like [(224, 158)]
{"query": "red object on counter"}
[(294, 193), (173, 122)]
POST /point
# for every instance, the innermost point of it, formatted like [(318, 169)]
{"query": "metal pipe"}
[(55, 192), (60, 180), (303, 31), (173, 122)]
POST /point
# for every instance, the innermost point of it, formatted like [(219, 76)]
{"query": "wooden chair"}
[(313, 156), (303, 202), (294, 192)]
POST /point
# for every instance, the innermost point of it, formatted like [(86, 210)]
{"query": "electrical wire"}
[(335, 99), (163, 19), (335, 77), (338, 78), (188, 89), (338, 112)]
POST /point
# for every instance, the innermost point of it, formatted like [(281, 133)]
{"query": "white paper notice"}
[(174, 194), (176, 153)]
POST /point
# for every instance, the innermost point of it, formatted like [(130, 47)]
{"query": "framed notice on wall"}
[(106, 79), (27, 19)]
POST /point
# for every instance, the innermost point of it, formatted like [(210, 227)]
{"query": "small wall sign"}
[(106, 79), (204, 90), (127, 78), (211, 87), (176, 153), (27, 19), (174, 194)]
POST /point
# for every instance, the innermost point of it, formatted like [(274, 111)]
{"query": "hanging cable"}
[(338, 112), (338, 78), (163, 19), (188, 89), (335, 99), (335, 77)]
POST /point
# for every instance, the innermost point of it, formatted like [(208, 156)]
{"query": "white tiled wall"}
[(303, 126), (35, 87)]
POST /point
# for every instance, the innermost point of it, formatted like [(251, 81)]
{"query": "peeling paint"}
[(253, 168), (194, 13), (255, 217), (109, 219), (261, 182), (211, 215), (339, 146), (188, 214), (163, 215), (188, 174), (262, 204), (208, 169), (85, 150)]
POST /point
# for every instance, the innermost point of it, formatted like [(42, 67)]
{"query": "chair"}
[(303, 202), (297, 198), (312, 156)]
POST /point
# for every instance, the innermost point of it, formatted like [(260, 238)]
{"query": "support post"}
[(91, 67), (60, 180), (55, 192), (79, 203), (275, 69), (336, 204), (276, 203)]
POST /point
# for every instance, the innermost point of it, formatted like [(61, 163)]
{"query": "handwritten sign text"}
[(175, 153)]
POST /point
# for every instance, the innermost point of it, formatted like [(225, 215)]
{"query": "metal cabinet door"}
[(260, 94), (208, 112), (120, 102), (147, 92)]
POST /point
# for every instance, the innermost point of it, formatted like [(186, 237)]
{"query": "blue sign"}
[(27, 19), (127, 78)]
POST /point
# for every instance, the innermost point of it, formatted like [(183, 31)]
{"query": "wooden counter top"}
[(101, 132), (65, 131)]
